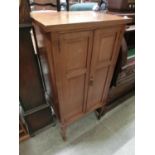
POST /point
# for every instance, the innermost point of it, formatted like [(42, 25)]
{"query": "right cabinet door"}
[(106, 42)]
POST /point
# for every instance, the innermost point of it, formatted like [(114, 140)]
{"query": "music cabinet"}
[(80, 49)]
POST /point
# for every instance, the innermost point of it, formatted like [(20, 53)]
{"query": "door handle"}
[(91, 81)]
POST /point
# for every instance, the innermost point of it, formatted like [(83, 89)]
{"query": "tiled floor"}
[(112, 135)]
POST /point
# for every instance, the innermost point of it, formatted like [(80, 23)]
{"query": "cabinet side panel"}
[(46, 57)]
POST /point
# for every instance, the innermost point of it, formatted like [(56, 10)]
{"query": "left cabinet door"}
[(71, 60)]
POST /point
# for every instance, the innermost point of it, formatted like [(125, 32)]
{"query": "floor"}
[(114, 134)]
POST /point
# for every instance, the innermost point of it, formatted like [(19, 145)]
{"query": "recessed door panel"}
[(106, 48), (96, 87), (76, 53), (74, 96)]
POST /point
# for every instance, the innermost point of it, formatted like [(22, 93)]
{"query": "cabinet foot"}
[(63, 133), (102, 113), (32, 134), (99, 113)]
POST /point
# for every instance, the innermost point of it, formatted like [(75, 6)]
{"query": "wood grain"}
[(52, 21)]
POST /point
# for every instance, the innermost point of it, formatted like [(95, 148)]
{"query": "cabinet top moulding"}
[(57, 21)]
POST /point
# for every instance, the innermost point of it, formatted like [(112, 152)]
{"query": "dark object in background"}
[(39, 119), (31, 89), (121, 5), (123, 82), (24, 10), (23, 132), (101, 6), (48, 5), (36, 111)]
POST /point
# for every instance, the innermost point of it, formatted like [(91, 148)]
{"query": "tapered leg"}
[(63, 132), (100, 112)]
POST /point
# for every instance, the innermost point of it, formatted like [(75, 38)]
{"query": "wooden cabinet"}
[(81, 50)]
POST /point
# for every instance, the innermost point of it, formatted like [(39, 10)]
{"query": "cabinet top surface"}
[(55, 20)]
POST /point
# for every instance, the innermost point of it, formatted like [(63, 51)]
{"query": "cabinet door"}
[(102, 64), (72, 60)]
